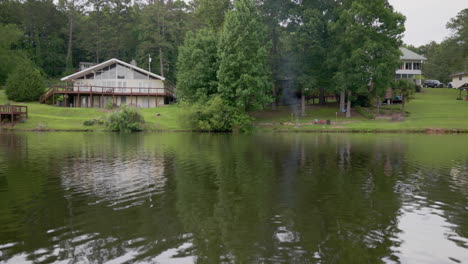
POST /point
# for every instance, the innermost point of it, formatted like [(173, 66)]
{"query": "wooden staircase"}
[(47, 94)]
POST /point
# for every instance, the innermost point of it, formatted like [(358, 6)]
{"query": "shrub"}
[(127, 119), (93, 122), (89, 123), (214, 116), (109, 105), (25, 84)]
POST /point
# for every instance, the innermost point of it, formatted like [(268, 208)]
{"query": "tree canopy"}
[(249, 52)]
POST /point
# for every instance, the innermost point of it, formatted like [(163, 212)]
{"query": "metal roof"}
[(458, 74), (105, 64), (410, 55)]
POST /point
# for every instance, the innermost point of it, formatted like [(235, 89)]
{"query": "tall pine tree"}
[(244, 75)]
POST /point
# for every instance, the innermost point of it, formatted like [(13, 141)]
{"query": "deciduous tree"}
[(244, 74)]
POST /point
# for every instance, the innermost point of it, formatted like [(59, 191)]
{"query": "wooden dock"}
[(13, 112)]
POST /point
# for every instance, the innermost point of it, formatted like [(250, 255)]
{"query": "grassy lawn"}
[(48, 117), (433, 109)]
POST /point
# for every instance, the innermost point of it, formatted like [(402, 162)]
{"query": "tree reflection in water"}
[(214, 198)]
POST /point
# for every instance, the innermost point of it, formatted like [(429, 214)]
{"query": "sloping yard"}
[(433, 109)]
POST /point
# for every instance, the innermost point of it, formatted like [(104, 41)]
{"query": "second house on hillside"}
[(459, 79), (113, 82), (411, 67)]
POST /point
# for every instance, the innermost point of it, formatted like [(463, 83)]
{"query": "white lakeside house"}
[(116, 82), (411, 68)]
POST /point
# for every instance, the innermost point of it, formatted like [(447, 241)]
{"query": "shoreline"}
[(265, 131)]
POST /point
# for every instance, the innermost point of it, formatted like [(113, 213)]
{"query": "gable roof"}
[(458, 74), (105, 64), (410, 55)]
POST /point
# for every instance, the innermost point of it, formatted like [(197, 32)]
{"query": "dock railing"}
[(14, 110)]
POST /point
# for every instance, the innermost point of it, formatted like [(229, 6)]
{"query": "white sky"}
[(426, 19)]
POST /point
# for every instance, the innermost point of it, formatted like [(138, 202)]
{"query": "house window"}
[(416, 66), (408, 66), (460, 78)]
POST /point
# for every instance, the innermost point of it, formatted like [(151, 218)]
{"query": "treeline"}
[(57, 35), (268, 52), (451, 55), (249, 53)]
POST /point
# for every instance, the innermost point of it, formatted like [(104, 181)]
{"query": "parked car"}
[(433, 84)]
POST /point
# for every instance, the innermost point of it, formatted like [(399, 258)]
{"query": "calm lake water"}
[(201, 198)]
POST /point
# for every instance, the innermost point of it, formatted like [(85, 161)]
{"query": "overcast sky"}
[(426, 19)]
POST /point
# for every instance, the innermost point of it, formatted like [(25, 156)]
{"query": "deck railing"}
[(113, 90), (14, 110)]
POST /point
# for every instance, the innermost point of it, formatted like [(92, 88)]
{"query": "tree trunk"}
[(68, 61), (403, 101), (342, 101), (303, 112), (161, 64), (322, 100), (377, 106), (348, 110), (274, 105)]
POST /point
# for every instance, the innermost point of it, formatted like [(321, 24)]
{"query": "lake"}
[(222, 198)]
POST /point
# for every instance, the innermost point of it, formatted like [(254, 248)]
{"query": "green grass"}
[(48, 117), (434, 109)]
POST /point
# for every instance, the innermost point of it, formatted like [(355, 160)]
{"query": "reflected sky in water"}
[(219, 198)]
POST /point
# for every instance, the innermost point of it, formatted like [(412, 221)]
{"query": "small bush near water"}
[(127, 119), (214, 116), (93, 122)]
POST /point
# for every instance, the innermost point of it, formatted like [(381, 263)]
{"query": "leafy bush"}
[(25, 84), (214, 116), (93, 122), (109, 105), (127, 119)]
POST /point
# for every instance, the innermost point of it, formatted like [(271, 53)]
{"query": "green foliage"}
[(92, 122), (214, 116), (211, 13), (109, 105), (365, 113), (197, 66), (368, 36), (25, 84), (405, 88), (244, 76), (450, 56), (127, 119), (10, 57), (160, 30)]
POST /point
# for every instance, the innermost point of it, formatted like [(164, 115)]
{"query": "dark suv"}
[(433, 84)]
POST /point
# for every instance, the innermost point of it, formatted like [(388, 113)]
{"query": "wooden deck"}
[(104, 91), (13, 112)]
